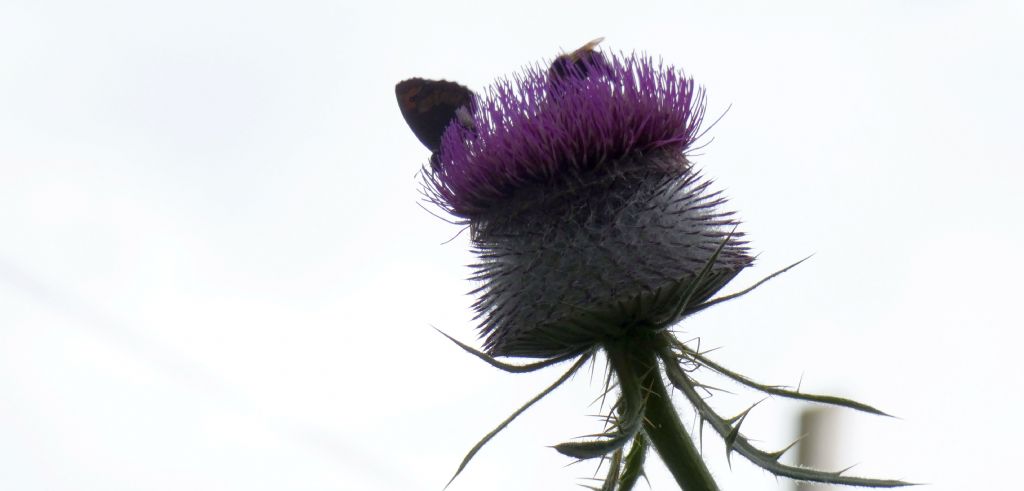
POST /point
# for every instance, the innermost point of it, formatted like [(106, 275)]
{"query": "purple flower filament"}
[(535, 129)]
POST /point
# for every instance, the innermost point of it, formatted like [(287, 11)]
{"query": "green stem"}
[(634, 361)]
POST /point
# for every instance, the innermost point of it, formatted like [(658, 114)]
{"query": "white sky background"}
[(214, 274)]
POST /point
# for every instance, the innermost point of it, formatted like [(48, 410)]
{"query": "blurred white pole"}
[(817, 449)]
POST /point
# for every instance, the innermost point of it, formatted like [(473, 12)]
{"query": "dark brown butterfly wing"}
[(429, 106)]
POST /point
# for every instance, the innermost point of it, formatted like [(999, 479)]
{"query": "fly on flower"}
[(577, 62)]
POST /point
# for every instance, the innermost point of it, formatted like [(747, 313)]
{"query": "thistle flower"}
[(587, 214), (595, 232)]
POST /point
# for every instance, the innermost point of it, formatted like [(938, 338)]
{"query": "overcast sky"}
[(215, 273)]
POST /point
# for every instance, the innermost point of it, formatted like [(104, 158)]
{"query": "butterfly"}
[(430, 106)]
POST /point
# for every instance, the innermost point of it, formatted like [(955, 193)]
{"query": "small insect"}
[(578, 62), (429, 106)]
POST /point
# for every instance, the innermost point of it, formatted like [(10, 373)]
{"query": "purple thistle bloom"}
[(537, 128), (586, 214)]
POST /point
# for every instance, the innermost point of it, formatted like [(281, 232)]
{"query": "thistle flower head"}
[(587, 216), (548, 125)]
